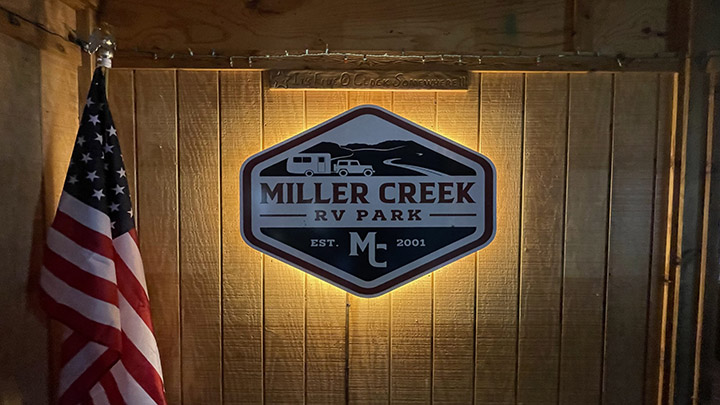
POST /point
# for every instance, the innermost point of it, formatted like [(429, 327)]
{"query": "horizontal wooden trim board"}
[(489, 63)]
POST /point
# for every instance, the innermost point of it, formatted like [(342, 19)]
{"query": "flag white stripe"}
[(97, 393), (78, 364), (85, 214), (85, 259), (139, 334), (128, 251), (87, 306), (130, 390)]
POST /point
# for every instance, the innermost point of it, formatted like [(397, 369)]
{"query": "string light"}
[(442, 58)]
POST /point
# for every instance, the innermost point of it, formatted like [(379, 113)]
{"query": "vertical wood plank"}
[(59, 85), (501, 140), (631, 217), (412, 304), (240, 137), (284, 290), (542, 237), (588, 182), (158, 201), (199, 191), (663, 165), (326, 304), (121, 96), (369, 319), (24, 337), (454, 285)]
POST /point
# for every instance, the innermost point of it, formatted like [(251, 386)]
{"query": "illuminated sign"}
[(368, 201)]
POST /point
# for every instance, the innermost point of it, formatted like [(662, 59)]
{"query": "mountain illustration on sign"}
[(388, 158)]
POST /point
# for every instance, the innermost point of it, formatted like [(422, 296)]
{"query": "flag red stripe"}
[(97, 332), (111, 389), (133, 234), (87, 215), (80, 279), (83, 236), (142, 371), (133, 291), (71, 346), (79, 389)]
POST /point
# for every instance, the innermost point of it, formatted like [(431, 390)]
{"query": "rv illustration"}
[(320, 163)]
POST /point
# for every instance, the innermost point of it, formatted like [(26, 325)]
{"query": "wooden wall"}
[(563, 306), (38, 122)]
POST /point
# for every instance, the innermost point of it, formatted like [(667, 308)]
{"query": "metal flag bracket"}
[(101, 43)]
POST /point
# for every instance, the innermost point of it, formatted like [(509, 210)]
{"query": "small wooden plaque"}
[(367, 80)]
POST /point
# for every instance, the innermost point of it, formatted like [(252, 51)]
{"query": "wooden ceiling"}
[(467, 26)]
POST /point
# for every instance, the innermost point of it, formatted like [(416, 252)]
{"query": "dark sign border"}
[(246, 203)]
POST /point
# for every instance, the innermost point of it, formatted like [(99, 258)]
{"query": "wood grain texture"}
[(199, 223), (121, 97), (607, 26), (285, 286), (630, 244), (157, 185), (412, 304), (357, 79), (59, 104), (510, 62), (454, 285), (23, 337), (542, 237), (325, 334), (502, 99), (369, 319), (588, 186), (53, 14), (232, 29), (661, 206), (242, 271)]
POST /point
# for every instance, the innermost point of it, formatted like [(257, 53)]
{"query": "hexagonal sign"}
[(367, 201)]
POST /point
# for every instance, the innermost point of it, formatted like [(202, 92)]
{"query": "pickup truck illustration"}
[(310, 164)]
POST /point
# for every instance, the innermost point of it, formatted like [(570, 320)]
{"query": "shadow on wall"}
[(23, 341), (39, 113)]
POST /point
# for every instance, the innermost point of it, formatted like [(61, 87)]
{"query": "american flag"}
[(92, 280)]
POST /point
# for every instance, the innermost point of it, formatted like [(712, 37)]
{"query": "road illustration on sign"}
[(368, 216)]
